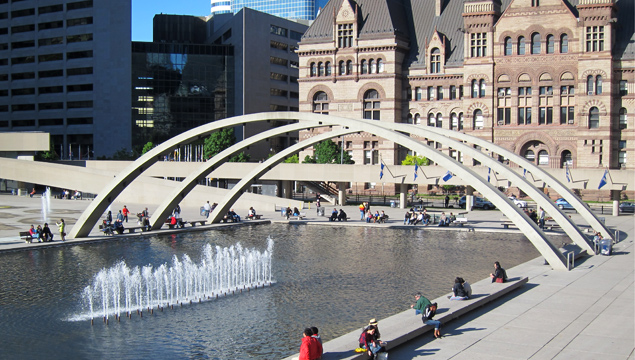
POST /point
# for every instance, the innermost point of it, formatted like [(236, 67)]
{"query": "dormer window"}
[(435, 61), (344, 35)]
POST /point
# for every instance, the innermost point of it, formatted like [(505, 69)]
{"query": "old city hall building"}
[(551, 80)]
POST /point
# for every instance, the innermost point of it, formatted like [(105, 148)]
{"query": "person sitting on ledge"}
[(233, 216), (342, 216), (458, 291), (47, 235), (119, 226), (333, 215), (421, 303), (296, 212), (443, 220), (251, 214), (499, 274), (32, 192)]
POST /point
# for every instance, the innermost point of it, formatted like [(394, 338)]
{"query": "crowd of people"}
[(44, 234)]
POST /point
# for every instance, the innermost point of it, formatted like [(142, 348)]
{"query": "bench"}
[(460, 221), (383, 219), (133, 228), (507, 224), (26, 236), (194, 222), (255, 217), (405, 326)]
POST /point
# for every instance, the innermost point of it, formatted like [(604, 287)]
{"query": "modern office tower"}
[(550, 80), (266, 67), (178, 82), (65, 70), (291, 9)]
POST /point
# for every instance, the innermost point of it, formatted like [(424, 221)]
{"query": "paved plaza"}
[(585, 313)]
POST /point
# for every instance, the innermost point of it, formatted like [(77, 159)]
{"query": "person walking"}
[(61, 226), (207, 208), (541, 218)]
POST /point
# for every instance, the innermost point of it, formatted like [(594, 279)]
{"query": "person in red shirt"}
[(310, 349), (125, 212)]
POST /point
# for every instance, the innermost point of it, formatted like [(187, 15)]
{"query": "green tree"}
[(49, 155), (218, 141), (419, 160), (328, 152), (124, 154), (309, 160), (147, 147), (448, 188), (293, 159), (241, 157)]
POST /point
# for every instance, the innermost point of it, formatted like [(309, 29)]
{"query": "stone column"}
[(469, 198), (341, 193), (287, 189), (615, 196), (403, 191)]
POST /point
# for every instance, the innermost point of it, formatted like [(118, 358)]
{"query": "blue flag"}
[(566, 172), (489, 171), (525, 173), (448, 175), (603, 181), (381, 171), (416, 169)]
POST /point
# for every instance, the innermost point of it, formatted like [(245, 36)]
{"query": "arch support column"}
[(341, 193), (403, 191), (615, 197), (469, 198), (287, 189)]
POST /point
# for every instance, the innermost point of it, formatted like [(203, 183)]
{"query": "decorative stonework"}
[(594, 103)]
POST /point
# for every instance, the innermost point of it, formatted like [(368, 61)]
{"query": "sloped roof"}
[(416, 20)]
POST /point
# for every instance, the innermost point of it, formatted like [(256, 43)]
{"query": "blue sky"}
[(144, 10)]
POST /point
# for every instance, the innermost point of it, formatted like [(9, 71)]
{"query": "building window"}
[(589, 85), (623, 119), (535, 3), (594, 118), (545, 103), (439, 92), (478, 119), (435, 61), (452, 92), (621, 158), (439, 122), (482, 88), (327, 68), (478, 44), (349, 67), (313, 70), (430, 93), (508, 46), (417, 119), (431, 120), (380, 66), (457, 121), (409, 119), (598, 85), (418, 93), (524, 106), (320, 69), (535, 43), (504, 111), (277, 30), (530, 156), (372, 67), (567, 102), (321, 103), (474, 89), (344, 35), (551, 43), (521, 46), (342, 68), (364, 67), (564, 43), (566, 158), (543, 158), (371, 105), (594, 38), (623, 88)]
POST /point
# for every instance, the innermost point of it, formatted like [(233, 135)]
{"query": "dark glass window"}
[(50, 25), (50, 9), (50, 57), (79, 21), (79, 54), (79, 5), (79, 71)]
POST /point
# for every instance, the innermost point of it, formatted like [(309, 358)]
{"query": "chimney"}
[(437, 7)]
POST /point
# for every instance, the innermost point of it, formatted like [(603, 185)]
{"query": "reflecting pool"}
[(329, 277)]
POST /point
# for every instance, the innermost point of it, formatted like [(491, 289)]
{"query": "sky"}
[(144, 10)]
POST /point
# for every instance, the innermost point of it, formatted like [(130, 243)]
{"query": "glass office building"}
[(290, 9), (177, 87)]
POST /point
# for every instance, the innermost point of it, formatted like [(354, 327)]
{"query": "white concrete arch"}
[(530, 229), (91, 215), (549, 180), (188, 184)]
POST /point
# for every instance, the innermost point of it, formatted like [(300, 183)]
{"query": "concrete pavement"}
[(586, 313)]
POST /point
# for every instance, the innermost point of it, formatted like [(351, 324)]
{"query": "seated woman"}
[(119, 226), (251, 214), (458, 291), (47, 235), (289, 212), (296, 212), (342, 216), (499, 274), (333, 215)]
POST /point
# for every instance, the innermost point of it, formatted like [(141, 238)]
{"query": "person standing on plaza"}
[(177, 211), (541, 218), (125, 213), (447, 201), (120, 216), (207, 208), (362, 211), (61, 226)]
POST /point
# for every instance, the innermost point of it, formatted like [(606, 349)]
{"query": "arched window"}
[(474, 89), (313, 69), (321, 103), (409, 119), (594, 118), (566, 158), (543, 157), (598, 85), (535, 43), (364, 67), (342, 68), (483, 87), (320, 69), (508, 46), (460, 121), (550, 44), (380, 66), (417, 119), (564, 43), (431, 120), (349, 67), (371, 105), (439, 123), (623, 119), (478, 119), (521, 46), (372, 67), (530, 156), (435, 61), (589, 85), (328, 68)]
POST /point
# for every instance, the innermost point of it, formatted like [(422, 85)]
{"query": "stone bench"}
[(405, 326), (26, 236)]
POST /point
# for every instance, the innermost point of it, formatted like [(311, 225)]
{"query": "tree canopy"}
[(218, 141), (328, 152), (419, 160)]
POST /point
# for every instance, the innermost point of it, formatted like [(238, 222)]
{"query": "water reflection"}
[(332, 278)]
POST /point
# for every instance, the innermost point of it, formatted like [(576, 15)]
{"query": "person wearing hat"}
[(376, 335)]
